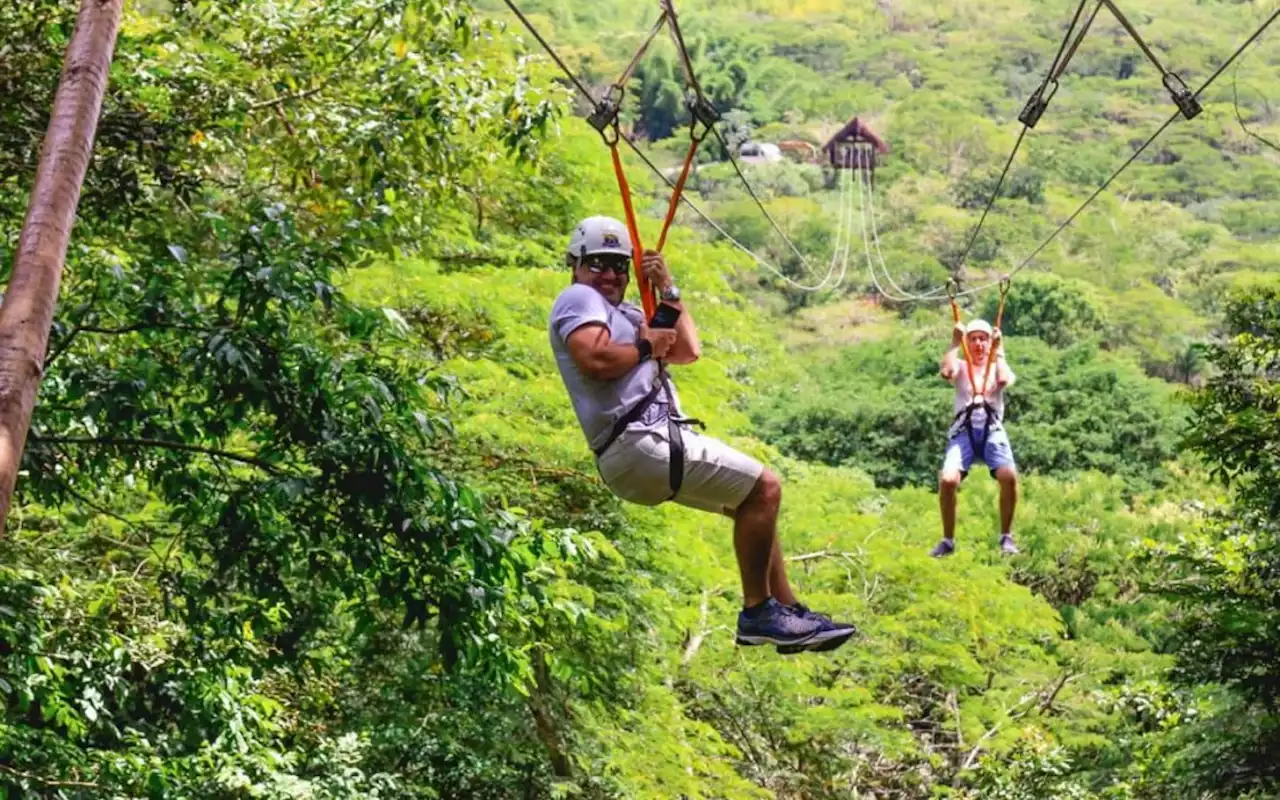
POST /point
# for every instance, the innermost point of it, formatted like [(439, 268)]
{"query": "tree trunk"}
[(26, 312)]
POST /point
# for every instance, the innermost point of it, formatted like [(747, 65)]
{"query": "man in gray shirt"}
[(612, 362)]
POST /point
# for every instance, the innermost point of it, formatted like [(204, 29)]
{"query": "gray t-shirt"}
[(599, 404)]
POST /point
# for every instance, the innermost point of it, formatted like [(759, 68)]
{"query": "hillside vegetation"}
[(306, 513)]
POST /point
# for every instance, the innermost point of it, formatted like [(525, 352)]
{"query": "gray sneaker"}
[(943, 549), (1007, 547), (774, 623), (829, 637)]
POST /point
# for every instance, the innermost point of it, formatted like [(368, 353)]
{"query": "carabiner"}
[(1182, 96), (1037, 104), (605, 115)]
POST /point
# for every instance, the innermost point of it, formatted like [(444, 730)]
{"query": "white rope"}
[(875, 238), (846, 212), (866, 244), (904, 295), (844, 233)]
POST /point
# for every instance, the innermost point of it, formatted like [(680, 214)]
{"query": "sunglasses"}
[(597, 265)]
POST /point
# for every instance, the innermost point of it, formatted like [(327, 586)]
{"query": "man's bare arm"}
[(599, 358), (951, 360)]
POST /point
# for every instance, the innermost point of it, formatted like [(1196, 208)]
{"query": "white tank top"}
[(964, 395)]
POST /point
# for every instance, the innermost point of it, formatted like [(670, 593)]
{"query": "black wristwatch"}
[(646, 350)]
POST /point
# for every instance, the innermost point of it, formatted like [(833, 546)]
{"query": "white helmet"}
[(595, 235), (978, 326)]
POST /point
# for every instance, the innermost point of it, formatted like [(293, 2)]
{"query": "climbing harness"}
[(979, 399), (675, 438)]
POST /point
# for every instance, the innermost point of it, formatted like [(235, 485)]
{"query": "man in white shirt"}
[(978, 430)]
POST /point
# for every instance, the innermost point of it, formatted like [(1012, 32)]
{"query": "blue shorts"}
[(996, 454)]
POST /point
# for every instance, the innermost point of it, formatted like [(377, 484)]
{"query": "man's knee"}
[(767, 492), (1007, 476), (950, 480)]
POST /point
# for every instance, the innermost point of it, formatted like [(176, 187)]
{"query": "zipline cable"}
[(1030, 116), (654, 168), (1137, 37), (1128, 162), (550, 51), (1212, 79), (625, 77), (1041, 102), (1059, 69), (760, 204), (866, 244)]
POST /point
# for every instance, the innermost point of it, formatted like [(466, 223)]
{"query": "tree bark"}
[(26, 312)]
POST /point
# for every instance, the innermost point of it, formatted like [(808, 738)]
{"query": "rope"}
[(839, 252), (677, 191), (1053, 69), (990, 202), (554, 57), (1212, 79), (759, 203), (1059, 65), (635, 149), (1137, 37), (625, 77), (637, 249), (846, 224), (1056, 73), (686, 63), (1261, 30), (964, 347), (866, 246), (869, 211), (1244, 126), (905, 295), (993, 355)]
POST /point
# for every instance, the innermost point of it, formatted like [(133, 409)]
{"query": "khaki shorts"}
[(717, 478)]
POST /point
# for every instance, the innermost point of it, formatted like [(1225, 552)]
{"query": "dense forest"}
[(304, 510)]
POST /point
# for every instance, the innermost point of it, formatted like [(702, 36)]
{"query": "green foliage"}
[(305, 512), (1057, 311), (1225, 578)]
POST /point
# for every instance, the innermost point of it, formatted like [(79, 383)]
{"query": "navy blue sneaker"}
[(943, 549), (829, 637), (774, 623)]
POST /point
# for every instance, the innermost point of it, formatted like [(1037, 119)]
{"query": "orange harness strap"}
[(605, 120), (964, 347), (637, 249), (991, 359), (624, 188), (677, 192)]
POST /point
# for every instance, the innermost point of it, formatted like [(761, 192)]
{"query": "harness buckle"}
[(1182, 96), (606, 111), (1037, 104), (701, 109)]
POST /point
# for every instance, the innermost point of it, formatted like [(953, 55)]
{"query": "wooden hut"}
[(861, 140)]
